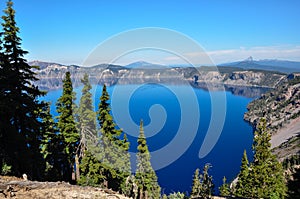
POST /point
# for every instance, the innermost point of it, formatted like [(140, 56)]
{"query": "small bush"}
[(6, 169)]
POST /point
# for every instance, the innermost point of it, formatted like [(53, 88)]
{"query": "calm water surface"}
[(225, 157)]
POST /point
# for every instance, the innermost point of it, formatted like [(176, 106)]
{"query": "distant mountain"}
[(266, 64), (42, 64), (145, 65)]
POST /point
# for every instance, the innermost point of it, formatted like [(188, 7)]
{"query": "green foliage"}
[(115, 150), (67, 126), (51, 146), (108, 127), (19, 106), (106, 161), (196, 188), (202, 184), (86, 114), (6, 169), (264, 178), (242, 187), (176, 195), (224, 188), (145, 175), (91, 170)]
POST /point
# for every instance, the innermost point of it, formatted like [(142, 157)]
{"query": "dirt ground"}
[(17, 188)]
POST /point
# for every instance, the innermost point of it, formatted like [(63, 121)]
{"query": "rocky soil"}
[(12, 187), (281, 108)]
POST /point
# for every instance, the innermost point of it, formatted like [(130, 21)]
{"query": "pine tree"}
[(125, 173), (51, 146), (86, 113), (196, 188), (92, 171), (86, 121), (202, 184), (266, 173), (19, 106), (108, 127), (145, 175), (243, 185), (108, 153), (67, 126), (264, 178), (114, 149), (207, 182), (224, 188)]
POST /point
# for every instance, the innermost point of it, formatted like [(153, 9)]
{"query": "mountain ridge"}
[(51, 76), (284, 66)]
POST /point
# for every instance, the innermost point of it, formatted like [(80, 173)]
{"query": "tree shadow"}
[(294, 185)]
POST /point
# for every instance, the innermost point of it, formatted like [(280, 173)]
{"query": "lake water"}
[(225, 156)]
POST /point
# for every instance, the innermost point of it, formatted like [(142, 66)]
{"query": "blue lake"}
[(225, 156)]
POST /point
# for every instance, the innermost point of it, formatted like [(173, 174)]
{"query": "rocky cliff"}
[(51, 74), (281, 108)]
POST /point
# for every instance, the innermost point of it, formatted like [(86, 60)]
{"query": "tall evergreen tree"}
[(196, 187), (86, 121), (114, 149), (19, 107), (266, 176), (108, 153), (51, 147), (243, 185), (67, 127), (145, 175), (92, 171), (202, 184), (108, 127), (86, 113)]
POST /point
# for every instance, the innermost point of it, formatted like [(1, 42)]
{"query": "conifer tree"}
[(266, 176), (86, 113), (86, 121), (114, 149), (108, 127), (92, 171), (67, 126), (243, 185), (202, 184), (224, 188), (196, 187), (107, 153), (19, 105), (145, 175), (51, 146), (109, 133)]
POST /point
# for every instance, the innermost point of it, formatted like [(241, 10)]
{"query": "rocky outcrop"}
[(51, 75), (278, 106), (281, 108), (254, 78)]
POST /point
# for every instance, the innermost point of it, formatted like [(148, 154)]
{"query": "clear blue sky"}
[(65, 31)]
